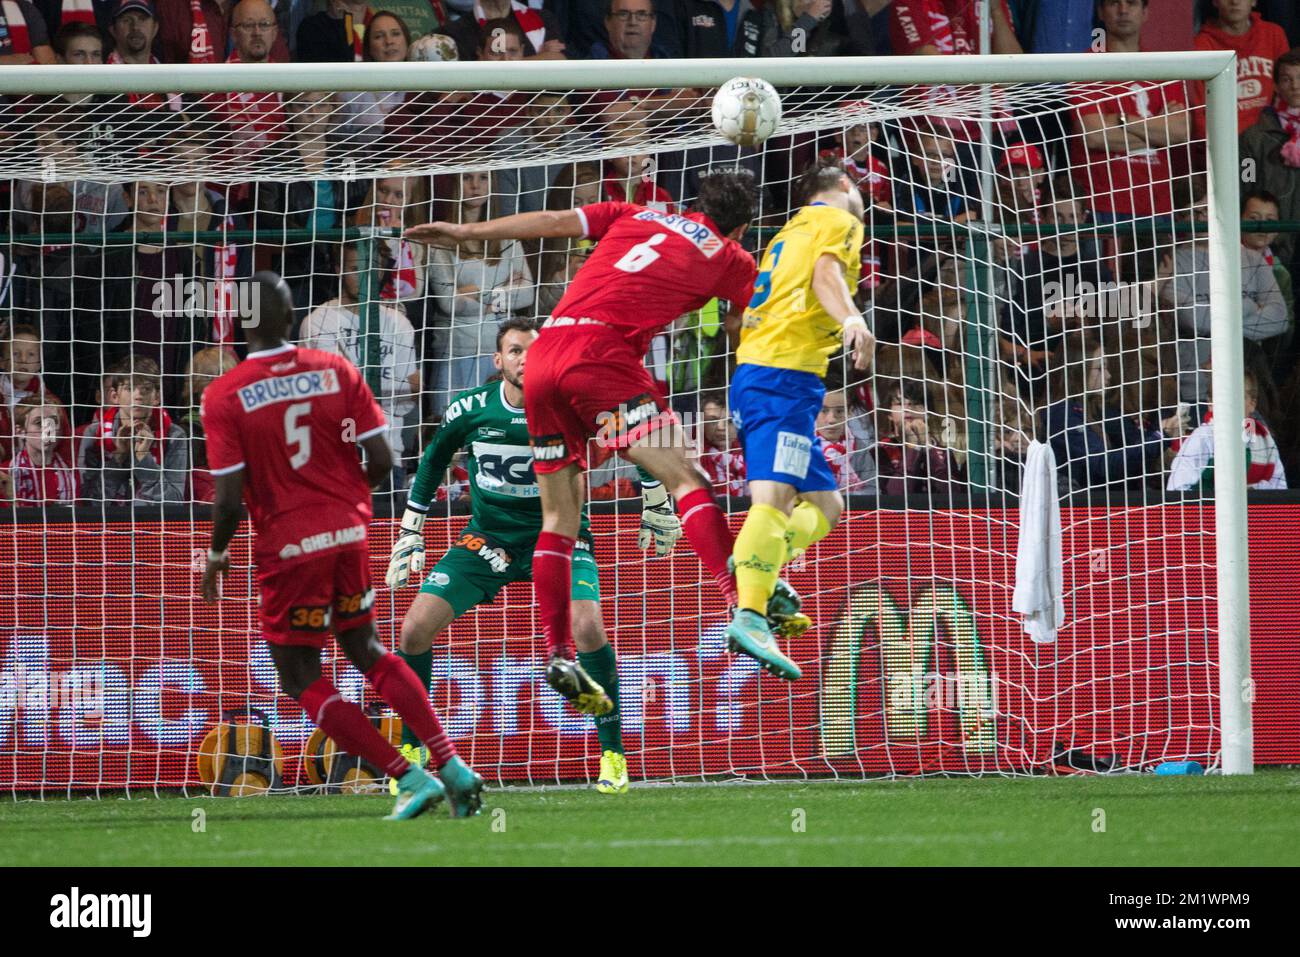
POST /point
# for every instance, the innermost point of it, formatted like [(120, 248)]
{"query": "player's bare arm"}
[(229, 491), (544, 224), (379, 459), (834, 295)]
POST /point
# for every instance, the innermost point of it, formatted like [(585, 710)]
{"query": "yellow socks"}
[(807, 525), (759, 552)]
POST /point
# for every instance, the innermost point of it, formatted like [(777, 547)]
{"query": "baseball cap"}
[(142, 6), (916, 336), (1023, 154)]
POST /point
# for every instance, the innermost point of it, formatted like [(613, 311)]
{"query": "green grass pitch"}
[(1147, 820)]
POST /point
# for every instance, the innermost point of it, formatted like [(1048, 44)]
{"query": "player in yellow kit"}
[(802, 312)]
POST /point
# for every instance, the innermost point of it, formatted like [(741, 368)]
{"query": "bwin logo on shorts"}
[(548, 448)]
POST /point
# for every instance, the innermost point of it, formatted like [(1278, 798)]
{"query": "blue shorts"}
[(776, 413)]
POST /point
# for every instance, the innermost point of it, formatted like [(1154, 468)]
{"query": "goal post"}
[(690, 710)]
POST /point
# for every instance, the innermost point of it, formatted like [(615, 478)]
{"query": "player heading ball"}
[(801, 314), (648, 268)]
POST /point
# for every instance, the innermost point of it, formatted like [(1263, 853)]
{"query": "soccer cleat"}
[(749, 634), (613, 773), (464, 788), (417, 791), (417, 755), (783, 615), (571, 680)]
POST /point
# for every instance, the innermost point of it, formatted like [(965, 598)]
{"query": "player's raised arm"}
[(833, 293), (544, 224)]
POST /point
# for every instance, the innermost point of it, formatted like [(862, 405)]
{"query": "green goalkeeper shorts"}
[(477, 567)]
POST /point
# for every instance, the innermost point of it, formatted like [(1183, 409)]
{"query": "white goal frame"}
[(1217, 69)]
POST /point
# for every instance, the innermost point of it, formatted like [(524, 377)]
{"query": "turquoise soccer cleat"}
[(464, 788), (749, 634), (417, 791)]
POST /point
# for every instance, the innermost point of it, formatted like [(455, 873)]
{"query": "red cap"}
[(916, 336), (1023, 154)]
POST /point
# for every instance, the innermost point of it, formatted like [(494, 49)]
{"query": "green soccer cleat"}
[(464, 788), (749, 634), (571, 680), (613, 774), (417, 755), (783, 615), (417, 791)]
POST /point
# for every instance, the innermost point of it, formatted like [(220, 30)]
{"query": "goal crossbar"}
[(598, 75)]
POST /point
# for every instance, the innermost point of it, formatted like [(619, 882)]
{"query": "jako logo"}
[(103, 910)]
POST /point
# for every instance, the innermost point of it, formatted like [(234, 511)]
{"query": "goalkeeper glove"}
[(407, 557), (659, 523)]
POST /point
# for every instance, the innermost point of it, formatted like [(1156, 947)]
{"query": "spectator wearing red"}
[(1122, 153), (719, 442), (140, 455), (254, 120), (26, 38), (540, 28), (932, 27), (39, 472), (22, 381), (59, 13), (1257, 44), (134, 29), (838, 443), (192, 31)]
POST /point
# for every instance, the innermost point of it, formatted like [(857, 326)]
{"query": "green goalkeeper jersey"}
[(505, 500)]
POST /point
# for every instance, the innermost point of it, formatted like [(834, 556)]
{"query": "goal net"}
[(1041, 262)]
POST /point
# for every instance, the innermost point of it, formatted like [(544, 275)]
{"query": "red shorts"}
[(585, 382), (303, 601)]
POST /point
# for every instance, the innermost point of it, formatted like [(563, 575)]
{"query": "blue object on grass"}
[(1180, 767)]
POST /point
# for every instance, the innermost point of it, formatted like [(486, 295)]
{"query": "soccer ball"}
[(746, 110)]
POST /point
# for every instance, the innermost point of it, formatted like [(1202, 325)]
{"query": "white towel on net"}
[(1040, 579)]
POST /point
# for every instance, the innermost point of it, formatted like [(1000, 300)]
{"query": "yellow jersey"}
[(785, 326)]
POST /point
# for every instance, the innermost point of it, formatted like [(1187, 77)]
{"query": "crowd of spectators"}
[(102, 370)]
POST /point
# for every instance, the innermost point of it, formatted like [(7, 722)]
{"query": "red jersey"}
[(952, 26), (651, 267), (1135, 182), (1256, 50), (282, 415)]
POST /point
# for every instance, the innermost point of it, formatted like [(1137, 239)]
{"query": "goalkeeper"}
[(801, 312), (496, 547)]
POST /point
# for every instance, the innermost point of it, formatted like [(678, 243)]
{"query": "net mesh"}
[(1034, 269)]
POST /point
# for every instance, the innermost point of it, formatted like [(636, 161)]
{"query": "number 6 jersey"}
[(291, 419), (650, 267)]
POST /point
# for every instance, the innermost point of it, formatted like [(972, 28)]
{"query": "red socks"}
[(351, 730), (552, 581), (706, 529), (398, 685)]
